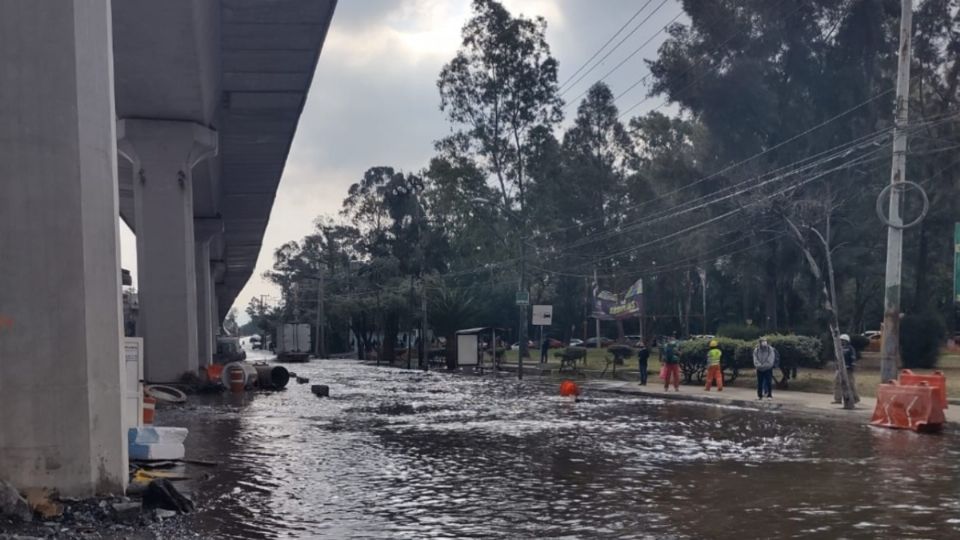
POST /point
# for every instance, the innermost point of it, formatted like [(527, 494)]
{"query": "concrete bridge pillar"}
[(60, 322), (204, 231), (163, 154)]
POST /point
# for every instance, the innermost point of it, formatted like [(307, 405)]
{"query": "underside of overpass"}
[(179, 116)]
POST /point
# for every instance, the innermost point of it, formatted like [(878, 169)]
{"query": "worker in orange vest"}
[(714, 373)]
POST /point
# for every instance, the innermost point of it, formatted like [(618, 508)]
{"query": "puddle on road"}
[(397, 454)]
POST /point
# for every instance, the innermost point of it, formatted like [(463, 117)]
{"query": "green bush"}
[(735, 352), (795, 351), (620, 352), (920, 340), (740, 332)]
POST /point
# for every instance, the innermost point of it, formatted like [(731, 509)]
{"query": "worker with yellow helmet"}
[(714, 371)]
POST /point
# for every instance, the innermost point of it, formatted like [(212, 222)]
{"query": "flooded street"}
[(395, 453)]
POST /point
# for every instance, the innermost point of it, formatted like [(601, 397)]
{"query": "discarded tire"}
[(321, 390), (169, 394)]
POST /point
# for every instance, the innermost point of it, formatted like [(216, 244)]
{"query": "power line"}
[(615, 47), (617, 33), (624, 61)]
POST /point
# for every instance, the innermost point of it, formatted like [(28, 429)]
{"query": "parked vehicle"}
[(293, 340), (255, 343), (575, 343), (229, 350), (591, 343), (530, 345)]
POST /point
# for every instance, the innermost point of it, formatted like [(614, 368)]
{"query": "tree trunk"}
[(921, 296), (687, 303), (391, 325), (770, 295), (829, 293), (451, 352)]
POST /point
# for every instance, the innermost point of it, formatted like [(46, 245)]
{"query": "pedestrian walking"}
[(671, 366), (544, 349), (714, 371), (764, 360), (643, 356), (849, 360)]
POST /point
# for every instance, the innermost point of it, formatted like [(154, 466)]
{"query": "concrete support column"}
[(217, 269), (163, 154), (60, 315), (204, 230)]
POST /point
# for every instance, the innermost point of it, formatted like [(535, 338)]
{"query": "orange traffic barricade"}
[(937, 380), (569, 388), (915, 407)]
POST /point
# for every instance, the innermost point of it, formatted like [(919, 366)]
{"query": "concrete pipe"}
[(249, 372), (272, 377)]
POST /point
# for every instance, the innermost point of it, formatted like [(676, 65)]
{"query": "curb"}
[(858, 414)]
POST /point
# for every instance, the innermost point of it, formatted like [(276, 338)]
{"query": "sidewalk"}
[(783, 400)]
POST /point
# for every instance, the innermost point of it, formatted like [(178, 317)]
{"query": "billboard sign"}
[(608, 306)]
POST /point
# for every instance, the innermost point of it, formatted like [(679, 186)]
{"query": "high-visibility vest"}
[(713, 357)]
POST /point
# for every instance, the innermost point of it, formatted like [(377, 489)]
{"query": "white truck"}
[(293, 342)]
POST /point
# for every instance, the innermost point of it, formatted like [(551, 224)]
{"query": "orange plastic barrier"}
[(569, 388), (214, 373), (915, 407), (149, 408), (937, 380)]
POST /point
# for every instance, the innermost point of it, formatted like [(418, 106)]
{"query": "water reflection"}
[(396, 454)]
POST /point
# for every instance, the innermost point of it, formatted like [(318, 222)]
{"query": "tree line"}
[(766, 123)]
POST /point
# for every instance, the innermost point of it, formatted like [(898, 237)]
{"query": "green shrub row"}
[(920, 338), (795, 351)]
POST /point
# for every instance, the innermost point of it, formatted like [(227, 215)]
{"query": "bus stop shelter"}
[(469, 353)]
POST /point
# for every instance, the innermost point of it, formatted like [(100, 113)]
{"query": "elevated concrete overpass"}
[(176, 115)]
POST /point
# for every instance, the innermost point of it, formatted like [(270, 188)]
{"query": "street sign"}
[(542, 315), (523, 298)]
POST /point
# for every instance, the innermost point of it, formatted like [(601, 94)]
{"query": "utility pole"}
[(703, 286), (423, 328), (890, 345), (523, 280), (321, 348), (596, 316)]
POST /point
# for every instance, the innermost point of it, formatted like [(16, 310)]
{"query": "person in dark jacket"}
[(643, 356), (544, 349), (849, 361), (671, 365)]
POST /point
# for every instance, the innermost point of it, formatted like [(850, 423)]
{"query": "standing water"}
[(407, 454)]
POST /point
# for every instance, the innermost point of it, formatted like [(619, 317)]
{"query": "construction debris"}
[(42, 503), (12, 504)]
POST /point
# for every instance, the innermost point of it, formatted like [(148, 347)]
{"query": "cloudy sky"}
[(374, 99)]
